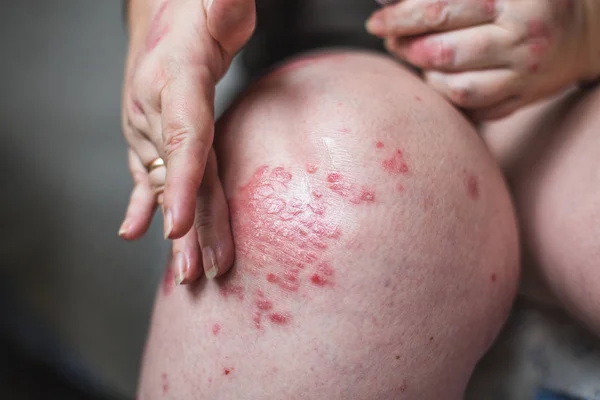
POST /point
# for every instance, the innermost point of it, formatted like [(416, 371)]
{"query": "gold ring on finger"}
[(156, 163)]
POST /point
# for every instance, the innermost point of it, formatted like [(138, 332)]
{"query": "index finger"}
[(188, 128)]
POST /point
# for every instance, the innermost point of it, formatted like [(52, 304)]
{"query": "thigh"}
[(551, 156), (376, 246)]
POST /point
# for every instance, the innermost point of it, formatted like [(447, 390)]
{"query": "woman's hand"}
[(494, 56), (178, 51)]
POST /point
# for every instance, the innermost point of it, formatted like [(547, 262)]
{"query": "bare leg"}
[(377, 252), (551, 157)]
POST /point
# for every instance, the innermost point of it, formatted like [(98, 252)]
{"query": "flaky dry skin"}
[(377, 252)]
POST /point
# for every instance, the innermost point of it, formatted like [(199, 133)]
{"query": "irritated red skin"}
[(473, 187), (216, 329), (396, 164), (158, 28), (283, 239), (165, 383), (337, 184)]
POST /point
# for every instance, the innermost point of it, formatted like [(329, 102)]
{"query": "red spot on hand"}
[(216, 329), (165, 383), (418, 98), (493, 277), (473, 187), (396, 164), (379, 145), (227, 371), (279, 318), (428, 53), (400, 187), (168, 281), (490, 7), (158, 28), (540, 39)]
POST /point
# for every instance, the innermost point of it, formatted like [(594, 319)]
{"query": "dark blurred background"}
[(74, 298)]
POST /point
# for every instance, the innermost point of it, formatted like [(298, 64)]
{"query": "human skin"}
[(493, 57), (376, 246), (549, 154), (178, 50)]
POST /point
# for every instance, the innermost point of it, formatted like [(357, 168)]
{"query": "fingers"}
[(141, 204), (498, 111), (475, 89), (185, 261), (478, 47), (231, 22), (212, 223), (415, 17), (187, 130)]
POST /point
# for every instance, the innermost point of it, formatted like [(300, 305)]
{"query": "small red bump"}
[(257, 318), (334, 177), (494, 277), (226, 371), (418, 98), (367, 196), (473, 187), (400, 187), (216, 329), (272, 277), (311, 168), (379, 145), (264, 304), (279, 318), (165, 383), (318, 280)]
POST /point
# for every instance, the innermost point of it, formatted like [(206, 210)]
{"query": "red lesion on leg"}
[(165, 383), (338, 184), (282, 232), (396, 164), (472, 187)]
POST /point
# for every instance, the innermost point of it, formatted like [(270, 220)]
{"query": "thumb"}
[(231, 22)]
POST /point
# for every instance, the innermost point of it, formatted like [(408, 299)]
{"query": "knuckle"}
[(175, 138), (431, 53), (149, 79), (435, 13), (203, 220), (139, 177), (461, 94)]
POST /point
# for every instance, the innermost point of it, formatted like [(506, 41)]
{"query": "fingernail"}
[(124, 228), (211, 268), (209, 4), (168, 222), (375, 25), (179, 268)]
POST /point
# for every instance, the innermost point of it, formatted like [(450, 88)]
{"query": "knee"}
[(348, 178)]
